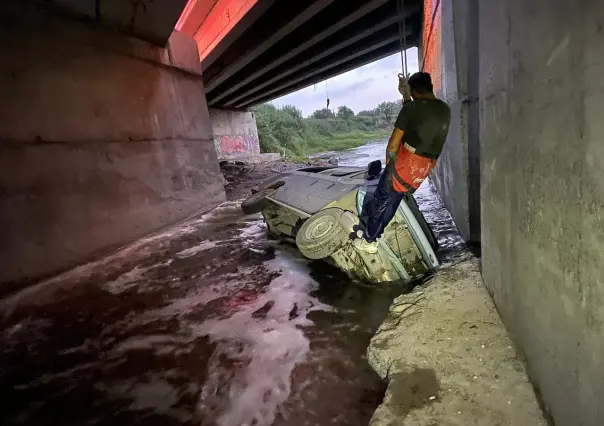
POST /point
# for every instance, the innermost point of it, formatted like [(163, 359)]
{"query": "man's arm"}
[(394, 143), (400, 126)]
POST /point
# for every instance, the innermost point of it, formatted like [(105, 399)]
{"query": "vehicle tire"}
[(322, 234), (256, 202)]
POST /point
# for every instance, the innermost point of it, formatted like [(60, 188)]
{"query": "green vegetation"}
[(286, 131)]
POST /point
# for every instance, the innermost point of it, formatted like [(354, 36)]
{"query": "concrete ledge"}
[(183, 53), (30, 23), (448, 358), (253, 159)]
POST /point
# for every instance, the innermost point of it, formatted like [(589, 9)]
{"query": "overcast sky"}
[(359, 89)]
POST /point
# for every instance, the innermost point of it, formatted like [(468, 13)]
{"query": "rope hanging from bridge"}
[(402, 35)]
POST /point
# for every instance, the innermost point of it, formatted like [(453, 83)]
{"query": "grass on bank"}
[(343, 141), (285, 131)]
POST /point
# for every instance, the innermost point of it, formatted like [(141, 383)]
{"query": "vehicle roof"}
[(310, 189)]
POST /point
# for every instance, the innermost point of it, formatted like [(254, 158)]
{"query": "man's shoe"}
[(364, 245)]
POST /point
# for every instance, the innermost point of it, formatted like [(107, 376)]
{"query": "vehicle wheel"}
[(322, 234), (256, 202)]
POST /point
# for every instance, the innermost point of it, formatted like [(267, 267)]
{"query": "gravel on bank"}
[(448, 359)]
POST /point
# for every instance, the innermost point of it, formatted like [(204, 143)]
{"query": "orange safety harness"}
[(411, 168)]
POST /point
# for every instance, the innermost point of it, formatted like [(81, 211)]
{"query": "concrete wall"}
[(542, 133), (449, 47), (150, 20), (103, 139), (235, 134)]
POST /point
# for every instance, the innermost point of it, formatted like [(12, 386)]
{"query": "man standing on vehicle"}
[(417, 140)]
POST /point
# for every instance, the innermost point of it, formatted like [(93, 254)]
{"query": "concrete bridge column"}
[(104, 138), (541, 135), (525, 83)]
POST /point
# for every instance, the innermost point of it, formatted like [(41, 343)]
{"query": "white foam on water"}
[(260, 352), (138, 249), (203, 246), (252, 233), (127, 280)]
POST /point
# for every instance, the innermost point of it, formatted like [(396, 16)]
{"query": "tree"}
[(294, 112), (345, 112), (388, 110), (323, 113), (367, 113)]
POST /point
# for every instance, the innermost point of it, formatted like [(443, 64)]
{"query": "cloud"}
[(359, 89)]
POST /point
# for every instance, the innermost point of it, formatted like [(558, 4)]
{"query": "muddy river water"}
[(207, 323)]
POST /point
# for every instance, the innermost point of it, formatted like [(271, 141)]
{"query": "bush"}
[(286, 131)]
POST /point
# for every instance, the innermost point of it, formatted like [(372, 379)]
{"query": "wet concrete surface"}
[(207, 323)]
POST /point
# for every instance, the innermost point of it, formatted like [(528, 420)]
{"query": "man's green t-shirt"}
[(426, 124)]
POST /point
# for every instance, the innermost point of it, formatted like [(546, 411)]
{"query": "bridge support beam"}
[(103, 139)]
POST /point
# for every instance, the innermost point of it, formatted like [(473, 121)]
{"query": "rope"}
[(402, 35)]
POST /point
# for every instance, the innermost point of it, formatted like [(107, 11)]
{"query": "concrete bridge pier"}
[(104, 137), (525, 83)]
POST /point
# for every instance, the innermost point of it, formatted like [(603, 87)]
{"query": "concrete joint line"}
[(38, 141)]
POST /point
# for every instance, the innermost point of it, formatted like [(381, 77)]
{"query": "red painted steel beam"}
[(237, 32), (209, 21), (193, 15)]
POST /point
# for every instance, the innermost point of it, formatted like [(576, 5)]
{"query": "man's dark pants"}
[(380, 211)]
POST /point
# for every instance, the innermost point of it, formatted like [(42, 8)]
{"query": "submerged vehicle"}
[(319, 208)]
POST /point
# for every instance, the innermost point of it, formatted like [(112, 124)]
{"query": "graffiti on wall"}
[(235, 133), (237, 145)]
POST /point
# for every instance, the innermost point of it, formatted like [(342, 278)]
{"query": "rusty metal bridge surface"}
[(279, 46)]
